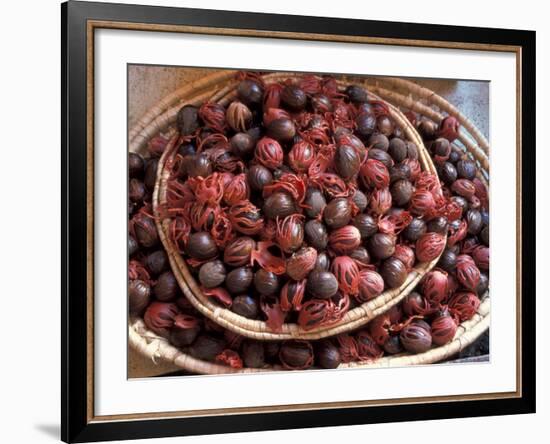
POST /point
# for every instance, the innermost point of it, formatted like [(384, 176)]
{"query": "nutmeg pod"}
[(238, 116), (282, 130), (279, 204), (416, 337), (337, 213), (201, 246), (242, 144), (393, 345), (381, 245), (379, 141), (360, 200), (347, 162), (184, 333), (207, 347), (443, 329), (258, 177), (344, 240), (439, 225), (139, 296), (150, 176), (136, 165), (414, 230), (314, 202), (296, 355), (301, 263), (293, 97), (466, 169), (212, 274), (266, 282), (327, 355), (133, 246), (394, 272), (316, 234), (474, 221), (245, 305), (253, 354), (401, 192), (187, 120), (357, 94), (322, 284), (136, 191), (157, 262), (238, 252), (397, 149), (365, 124), (250, 92), (145, 230), (239, 280), (323, 262), (166, 288)]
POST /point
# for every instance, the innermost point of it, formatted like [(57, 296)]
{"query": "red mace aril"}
[(367, 348), (347, 346), (271, 307), (467, 272), (443, 329), (406, 255), (238, 252), (264, 256), (347, 273), (457, 232), (379, 328), (435, 286), (380, 201), (370, 285), (449, 128), (415, 304), (159, 317), (374, 174), (314, 313), (414, 167), (301, 156), (272, 96), (422, 201), (464, 305), (292, 295), (464, 188), (246, 218), (213, 115), (269, 153), (238, 116), (290, 233), (274, 114), (301, 263), (230, 358), (429, 246), (344, 240), (480, 256), (236, 190), (219, 294)]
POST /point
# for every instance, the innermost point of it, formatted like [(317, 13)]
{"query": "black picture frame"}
[(76, 423)]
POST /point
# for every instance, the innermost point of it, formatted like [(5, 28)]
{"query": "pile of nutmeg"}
[(294, 203)]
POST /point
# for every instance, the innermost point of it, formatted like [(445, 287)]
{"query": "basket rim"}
[(435, 354)]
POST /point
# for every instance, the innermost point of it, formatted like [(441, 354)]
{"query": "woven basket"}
[(225, 92), (413, 97)]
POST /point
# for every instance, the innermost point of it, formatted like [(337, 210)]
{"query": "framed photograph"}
[(275, 222)]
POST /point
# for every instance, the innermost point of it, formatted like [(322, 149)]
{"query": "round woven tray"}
[(410, 96), (224, 92)]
